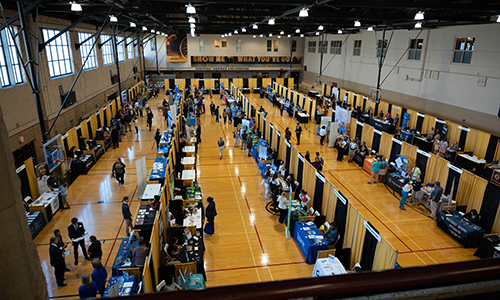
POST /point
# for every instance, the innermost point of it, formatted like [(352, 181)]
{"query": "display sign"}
[(406, 120), (177, 48), (343, 117), (244, 59), (495, 177), (263, 149)]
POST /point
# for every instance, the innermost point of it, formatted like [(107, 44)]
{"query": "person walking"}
[(76, 233), (119, 171), (282, 107), (136, 125), (224, 115), (220, 144), (236, 134), (57, 261), (99, 275), (198, 134), (211, 212), (288, 134), (63, 191), (298, 132), (404, 193), (149, 120), (217, 116), (322, 134), (282, 207), (157, 138), (115, 137), (127, 216), (375, 171)]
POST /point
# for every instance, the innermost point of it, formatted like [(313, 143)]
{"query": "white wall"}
[(249, 47), (456, 84)]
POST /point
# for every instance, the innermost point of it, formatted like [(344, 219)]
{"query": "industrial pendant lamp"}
[(190, 9), (271, 21), (419, 16), (75, 6), (304, 13)]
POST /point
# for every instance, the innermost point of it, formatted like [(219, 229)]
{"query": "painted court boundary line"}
[(255, 267)]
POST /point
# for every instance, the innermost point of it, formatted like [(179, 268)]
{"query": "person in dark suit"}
[(57, 261), (211, 212), (61, 245), (75, 231)]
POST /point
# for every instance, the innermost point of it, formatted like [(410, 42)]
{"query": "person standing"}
[(119, 171), (308, 156), (216, 112), (322, 134), (127, 216), (224, 115), (61, 245), (149, 120), (436, 199), (288, 134), (236, 134), (135, 125), (304, 199), (198, 134), (298, 132), (417, 191), (76, 233), (157, 138), (404, 193), (415, 172), (95, 250), (88, 289), (375, 171), (52, 182), (57, 261), (282, 206), (115, 137), (220, 144), (340, 150), (282, 107), (211, 212), (99, 275), (63, 191)]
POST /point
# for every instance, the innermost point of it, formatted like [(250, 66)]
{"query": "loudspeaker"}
[(305, 68), (499, 111)]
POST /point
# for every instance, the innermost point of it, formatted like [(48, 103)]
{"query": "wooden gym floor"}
[(249, 244)]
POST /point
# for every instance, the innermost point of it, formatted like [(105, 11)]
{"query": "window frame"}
[(357, 48), (130, 48), (276, 44), (87, 46), (269, 45), (202, 45), (382, 50), (58, 47), (120, 49), (223, 43), (107, 50), (311, 44), (336, 47), (216, 43), (415, 52), (464, 51), (238, 45)]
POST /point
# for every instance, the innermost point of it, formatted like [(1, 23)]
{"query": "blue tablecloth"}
[(122, 255), (165, 138), (465, 232), (163, 149), (406, 136), (305, 235), (159, 168), (36, 222), (194, 282), (130, 283)]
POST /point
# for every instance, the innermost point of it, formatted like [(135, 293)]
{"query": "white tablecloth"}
[(193, 220), (151, 191), (188, 174), (189, 149), (327, 267), (188, 160), (476, 160)]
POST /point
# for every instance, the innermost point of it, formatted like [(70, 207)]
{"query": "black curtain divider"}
[(389, 108), (66, 148), (201, 83), (264, 128), (278, 140), (341, 218), (318, 193), (105, 118), (310, 109), (79, 132), (452, 174), (324, 89), (463, 138), (99, 124), (369, 247), (187, 83), (171, 84), (492, 147), (288, 153), (303, 104), (89, 129), (354, 102), (245, 82), (271, 129), (273, 79), (402, 116), (259, 83), (300, 171), (230, 81), (364, 104), (490, 206), (396, 149), (333, 110), (420, 122), (25, 184), (376, 142), (359, 131), (258, 123), (439, 127), (422, 164)]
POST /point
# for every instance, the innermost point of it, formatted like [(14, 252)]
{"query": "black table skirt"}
[(423, 144), (471, 241), (394, 183), (469, 164), (486, 249)]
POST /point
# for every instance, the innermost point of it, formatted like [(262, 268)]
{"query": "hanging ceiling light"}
[(75, 6), (370, 28), (113, 19), (418, 25), (271, 21), (222, 35), (261, 35), (419, 15), (320, 27), (279, 36), (192, 25), (282, 32), (317, 32), (192, 30), (144, 28), (152, 31), (301, 35), (254, 36), (498, 19), (289, 35), (235, 31), (297, 30), (270, 34), (190, 9), (229, 34), (357, 23), (225, 34), (304, 13), (340, 31), (255, 26), (243, 30), (132, 24), (192, 20)]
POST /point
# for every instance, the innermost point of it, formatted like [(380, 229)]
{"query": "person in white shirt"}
[(282, 206), (443, 145), (352, 150), (135, 125), (322, 134), (304, 199), (281, 169), (404, 195)]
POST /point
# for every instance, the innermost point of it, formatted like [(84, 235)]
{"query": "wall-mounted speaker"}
[(499, 111), (305, 68), (70, 101)]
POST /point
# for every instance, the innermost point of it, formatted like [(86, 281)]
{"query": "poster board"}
[(343, 117), (142, 179)]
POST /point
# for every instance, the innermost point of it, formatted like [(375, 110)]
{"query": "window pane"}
[(130, 48), (417, 54), (58, 53), (217, 43), (467, 57), (457, 57)]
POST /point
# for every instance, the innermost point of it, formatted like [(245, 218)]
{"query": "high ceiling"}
[(219, 17)]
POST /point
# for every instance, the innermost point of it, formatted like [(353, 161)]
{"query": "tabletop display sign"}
[(326, 120), (495, 177), (263, 149), (343, 117), (246, 123)]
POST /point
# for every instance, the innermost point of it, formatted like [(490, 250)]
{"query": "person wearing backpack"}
[(119, 171)]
